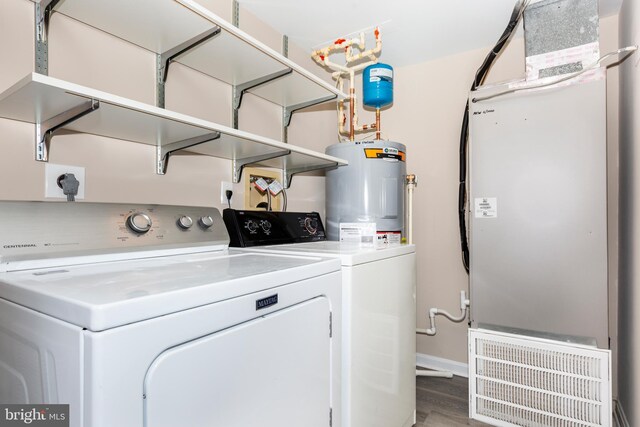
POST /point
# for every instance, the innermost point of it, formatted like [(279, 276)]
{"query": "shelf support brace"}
[(235, 19), (239, 164), (239, 90), (43, 11), (289, 173), (46, 129), (285, 53), (288, 111), (165, 151), (164, 60)]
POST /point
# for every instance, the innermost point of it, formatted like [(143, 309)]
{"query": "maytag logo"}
[(34, 415), (26, 245), (266, 302)]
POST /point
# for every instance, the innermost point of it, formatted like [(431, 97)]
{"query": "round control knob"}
[(252, 226), (139, 223), (185, 222), (311, 225), (266, 225), (205, 221)]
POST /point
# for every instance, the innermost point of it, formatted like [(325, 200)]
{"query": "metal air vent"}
[(516, 380)]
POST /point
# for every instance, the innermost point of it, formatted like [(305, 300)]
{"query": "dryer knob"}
[(185, 222), (139, 223), (206, 221)]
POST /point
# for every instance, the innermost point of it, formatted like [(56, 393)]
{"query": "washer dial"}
[(251, 225), (266, 225), (311, 225)]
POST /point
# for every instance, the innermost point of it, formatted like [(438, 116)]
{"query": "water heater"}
[(369, 189)]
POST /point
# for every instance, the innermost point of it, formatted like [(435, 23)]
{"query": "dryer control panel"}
[(261, 228), (31, 231)]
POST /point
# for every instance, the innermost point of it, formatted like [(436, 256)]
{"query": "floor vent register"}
[(516, 380)]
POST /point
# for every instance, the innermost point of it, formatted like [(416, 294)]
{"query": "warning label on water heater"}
[(385, 153), (486, 207)]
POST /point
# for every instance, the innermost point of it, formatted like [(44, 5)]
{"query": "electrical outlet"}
[(224, 186), (51, 174)]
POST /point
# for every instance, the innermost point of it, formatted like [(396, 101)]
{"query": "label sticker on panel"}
[(486, 207), (362, 233), (384, 73), (388, 238), (385, 153)]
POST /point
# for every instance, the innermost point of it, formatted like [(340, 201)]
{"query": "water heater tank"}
[(377, 85), (369, 189)]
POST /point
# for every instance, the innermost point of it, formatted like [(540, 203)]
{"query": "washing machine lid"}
[(100, 296), (349, 254)]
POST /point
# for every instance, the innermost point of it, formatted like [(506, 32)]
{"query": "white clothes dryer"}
[(140, 316)]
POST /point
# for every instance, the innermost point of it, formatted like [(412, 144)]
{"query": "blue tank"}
[(377, 85)]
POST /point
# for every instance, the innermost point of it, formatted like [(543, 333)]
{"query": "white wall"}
[(629, 316)]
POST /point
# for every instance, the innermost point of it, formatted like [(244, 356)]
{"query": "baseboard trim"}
[(619, 417), (439, 364)]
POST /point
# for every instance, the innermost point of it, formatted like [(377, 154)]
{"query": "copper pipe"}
[(352, 131), (378, 123)]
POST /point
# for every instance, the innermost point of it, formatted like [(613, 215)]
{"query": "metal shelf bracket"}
[(165, 151), (239, 164), (288, 111), (43, 11), (46, 129), (239, 90), (164, 60), (289, 173)]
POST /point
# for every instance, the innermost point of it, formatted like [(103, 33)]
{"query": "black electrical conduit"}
[(481, 75)]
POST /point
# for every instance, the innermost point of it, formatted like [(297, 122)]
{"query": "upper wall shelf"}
[(184, 31), (53, 104)]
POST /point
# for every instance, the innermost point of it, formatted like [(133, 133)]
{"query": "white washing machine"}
[(378, 312), (140, 316)]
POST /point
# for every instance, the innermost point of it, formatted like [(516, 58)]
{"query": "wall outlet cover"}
[(224, 186), (51, 174)]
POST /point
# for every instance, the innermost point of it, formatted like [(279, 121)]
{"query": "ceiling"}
[(413, 31)]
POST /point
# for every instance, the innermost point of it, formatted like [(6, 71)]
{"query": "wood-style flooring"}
[(443, 402)]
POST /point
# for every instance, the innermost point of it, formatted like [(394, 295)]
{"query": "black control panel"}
[(260, 228)]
